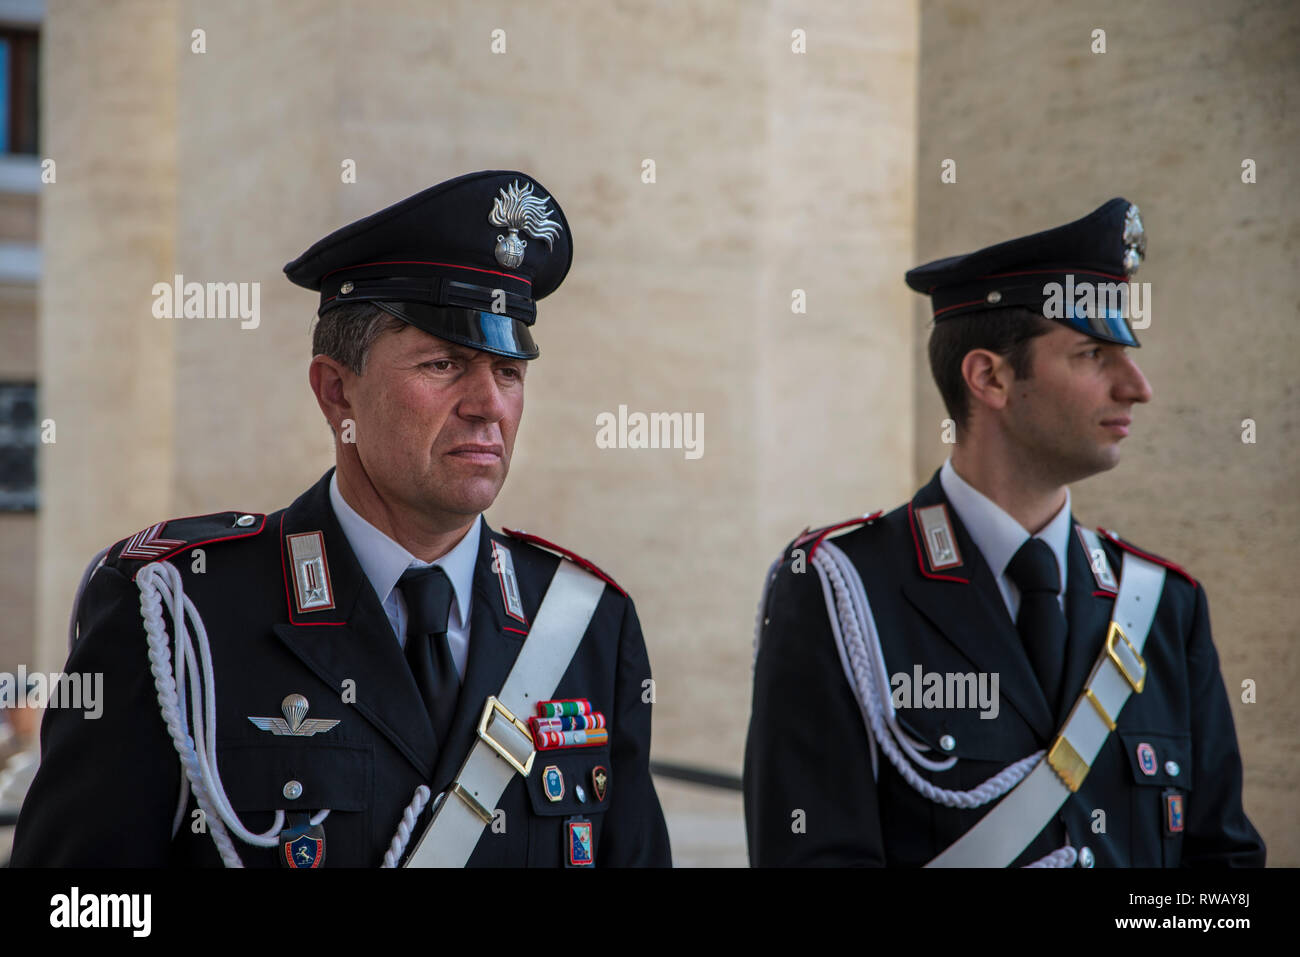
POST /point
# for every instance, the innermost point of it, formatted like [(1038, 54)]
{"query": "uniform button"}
[(244, 521), (1086, 857), (993, 297), (293, 790), (346, 288), (947, 742), (580, 794), (1172, 768)]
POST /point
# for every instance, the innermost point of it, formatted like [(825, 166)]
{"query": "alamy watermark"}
[(213, 300), (946, 689), (1089, 300), (651, 430), (82, 691)]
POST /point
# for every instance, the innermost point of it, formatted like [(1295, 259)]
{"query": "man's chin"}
[(469, 497)]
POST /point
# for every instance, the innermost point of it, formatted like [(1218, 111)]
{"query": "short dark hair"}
[(1008, 332), (346, 333)]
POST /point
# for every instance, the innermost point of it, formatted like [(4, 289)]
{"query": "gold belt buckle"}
[(494, 705), (1136, 683)]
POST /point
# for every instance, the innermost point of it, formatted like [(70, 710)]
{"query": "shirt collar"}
[(996, 534), (383, 560)]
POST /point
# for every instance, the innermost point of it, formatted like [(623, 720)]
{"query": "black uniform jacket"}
[(808, 749), (107, 789)]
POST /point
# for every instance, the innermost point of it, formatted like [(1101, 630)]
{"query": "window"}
[(18, 437), (19, 71)]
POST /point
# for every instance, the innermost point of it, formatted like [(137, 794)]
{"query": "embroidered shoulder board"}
[(811, 538), (1115, 539), (162, 540), (565, 553)]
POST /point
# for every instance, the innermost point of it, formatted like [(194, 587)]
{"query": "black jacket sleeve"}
[(106, 790), (810, 798), (635, 833), (1218, 832)]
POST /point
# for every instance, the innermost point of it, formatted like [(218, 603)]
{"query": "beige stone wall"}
[(775, 171), (1043, 130)]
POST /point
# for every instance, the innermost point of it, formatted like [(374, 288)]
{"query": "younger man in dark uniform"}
[(979, 649)]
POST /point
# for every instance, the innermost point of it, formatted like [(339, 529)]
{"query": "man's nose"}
[(482, 399), (1132, 385)]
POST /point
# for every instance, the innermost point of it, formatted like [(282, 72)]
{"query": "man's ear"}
[(331, 382), (988, 378)]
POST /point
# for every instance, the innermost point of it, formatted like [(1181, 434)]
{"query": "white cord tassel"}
[(403, 836), (851, 617), (152, 581), (1061, 857)]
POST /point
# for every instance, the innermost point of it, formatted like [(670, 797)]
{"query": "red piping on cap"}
[(420, 262)]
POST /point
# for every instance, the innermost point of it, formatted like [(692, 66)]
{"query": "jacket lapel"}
[(963, 602), (353, 640), (1088, 615), (492, 653)]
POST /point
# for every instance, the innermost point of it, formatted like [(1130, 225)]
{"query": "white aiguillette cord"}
[(466, 808)]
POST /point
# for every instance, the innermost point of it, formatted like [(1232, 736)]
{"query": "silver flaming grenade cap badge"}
[(518, 209), (1135, 240)]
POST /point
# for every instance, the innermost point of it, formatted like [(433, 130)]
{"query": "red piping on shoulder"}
[(817, 536), (243, 533), (920, 561), (1111, 536), (571, 556)]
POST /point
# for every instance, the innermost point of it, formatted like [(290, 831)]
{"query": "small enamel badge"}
[(504, 566), (940, 542), (1173, 812), (518, 209), (1146, 756), (553, 783), (303, 847), (577, 833), (295, 721), (311, 573), (599, 781)]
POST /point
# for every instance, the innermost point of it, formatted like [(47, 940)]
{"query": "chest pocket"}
[(1160, 767), (568, 773), (261, 777), (1159, 758)]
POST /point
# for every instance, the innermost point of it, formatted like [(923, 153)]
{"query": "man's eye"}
[(439, 365)]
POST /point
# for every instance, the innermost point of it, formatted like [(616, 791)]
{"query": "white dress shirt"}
[(384, 560), (998, 536)]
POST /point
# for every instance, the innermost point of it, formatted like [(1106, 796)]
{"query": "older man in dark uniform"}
[(371, 675), (976, 678)]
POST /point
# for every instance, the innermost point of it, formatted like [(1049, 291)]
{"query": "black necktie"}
[(428, 594), (1041, 622)]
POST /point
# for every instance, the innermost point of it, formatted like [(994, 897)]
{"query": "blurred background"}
[(746, 183)]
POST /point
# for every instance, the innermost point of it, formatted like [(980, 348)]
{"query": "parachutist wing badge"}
[(276, 726)]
